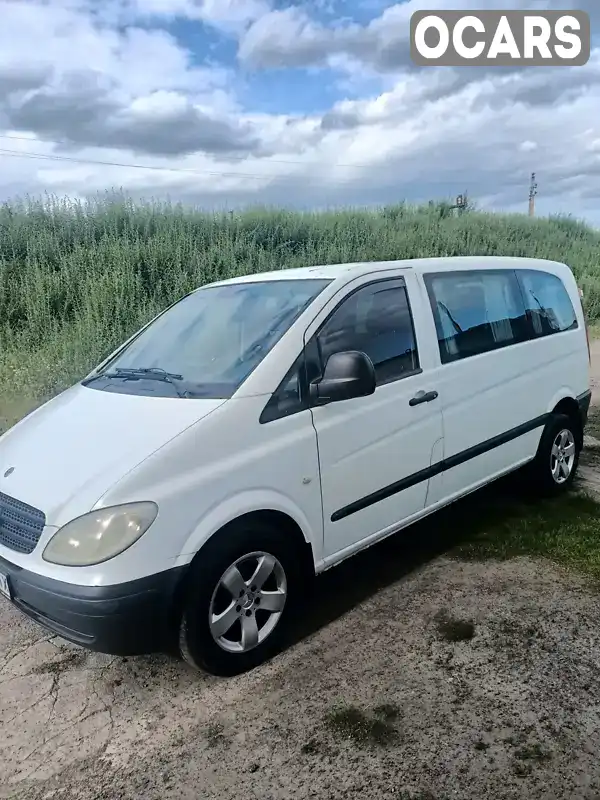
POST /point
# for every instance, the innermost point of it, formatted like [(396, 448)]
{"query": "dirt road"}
[(417, 676)]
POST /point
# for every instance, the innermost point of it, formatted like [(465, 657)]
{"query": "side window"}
[(548, 304), (476, 312), (290, 396), (376, 320)]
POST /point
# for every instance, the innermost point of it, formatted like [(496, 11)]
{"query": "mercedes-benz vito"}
[(264, 428)]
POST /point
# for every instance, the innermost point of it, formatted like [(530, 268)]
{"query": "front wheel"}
[(242, 593), (553, 470)]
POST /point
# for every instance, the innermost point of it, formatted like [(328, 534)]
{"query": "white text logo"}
[(495, 38)]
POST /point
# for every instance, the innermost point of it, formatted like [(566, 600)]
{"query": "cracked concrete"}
[(512, 712)]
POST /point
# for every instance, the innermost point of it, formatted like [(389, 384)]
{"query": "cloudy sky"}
[(310, 103)]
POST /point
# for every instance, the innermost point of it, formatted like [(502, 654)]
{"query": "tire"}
[(550, 476), (244, 547)]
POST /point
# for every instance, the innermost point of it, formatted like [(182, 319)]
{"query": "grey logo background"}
[(490, 20), (9, 471)]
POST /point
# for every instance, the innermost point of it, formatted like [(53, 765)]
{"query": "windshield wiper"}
[(156, 373)]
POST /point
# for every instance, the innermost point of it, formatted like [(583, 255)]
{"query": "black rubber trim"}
[(438, 467), (130, 618), (584, 401)]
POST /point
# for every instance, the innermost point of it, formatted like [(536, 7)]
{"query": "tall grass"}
[(77, 278)]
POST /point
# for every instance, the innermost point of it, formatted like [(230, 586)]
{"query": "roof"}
[(357, 268)]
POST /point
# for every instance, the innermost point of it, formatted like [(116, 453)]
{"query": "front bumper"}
[(132, 618)]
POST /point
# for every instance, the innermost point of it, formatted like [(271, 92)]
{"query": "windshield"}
[(209, 342)]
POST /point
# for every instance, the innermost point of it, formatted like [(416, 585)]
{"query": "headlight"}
[(99, 535)]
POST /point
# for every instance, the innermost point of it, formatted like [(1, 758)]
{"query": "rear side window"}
[(476, 311), (548, 304), (376, 320)]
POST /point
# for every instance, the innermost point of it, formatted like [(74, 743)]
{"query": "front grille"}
[(20, 525)]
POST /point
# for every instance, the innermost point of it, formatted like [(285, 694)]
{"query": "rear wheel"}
[(243, 592), (553, 470)]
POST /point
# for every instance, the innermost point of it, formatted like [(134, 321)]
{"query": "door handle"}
[(422, 397)]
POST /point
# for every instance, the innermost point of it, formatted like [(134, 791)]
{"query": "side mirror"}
[(347, 375)]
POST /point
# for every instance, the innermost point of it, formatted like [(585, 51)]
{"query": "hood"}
[(71, 450)]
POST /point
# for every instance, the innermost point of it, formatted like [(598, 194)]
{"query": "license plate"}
[(4, 586)]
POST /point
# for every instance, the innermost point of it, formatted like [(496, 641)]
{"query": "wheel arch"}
[(570, 407), (263, 503), (271, 516), (268, 516)]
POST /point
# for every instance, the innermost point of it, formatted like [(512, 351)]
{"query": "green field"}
[(76, 279)]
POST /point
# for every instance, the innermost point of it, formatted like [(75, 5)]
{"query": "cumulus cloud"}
[(94, 89), (83, 109), (90, 84), (290, 37), (227, 13), (399, 150)]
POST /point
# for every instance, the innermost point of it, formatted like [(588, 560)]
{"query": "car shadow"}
[(339, 590)]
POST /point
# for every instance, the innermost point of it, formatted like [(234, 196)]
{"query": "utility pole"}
[(461, 203), (532, 193)]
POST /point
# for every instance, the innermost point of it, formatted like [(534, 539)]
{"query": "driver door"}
[(375, 451)]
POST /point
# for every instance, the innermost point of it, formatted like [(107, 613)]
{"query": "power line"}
[(269, 177), (7, 153), (73, 160), (65, 142), (184, 170)]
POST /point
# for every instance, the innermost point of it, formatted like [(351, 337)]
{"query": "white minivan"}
[(264, 428)]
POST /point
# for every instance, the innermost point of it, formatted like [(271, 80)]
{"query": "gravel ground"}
[(417, 677)]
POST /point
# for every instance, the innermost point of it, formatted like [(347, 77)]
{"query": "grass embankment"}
[(75, 280)]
